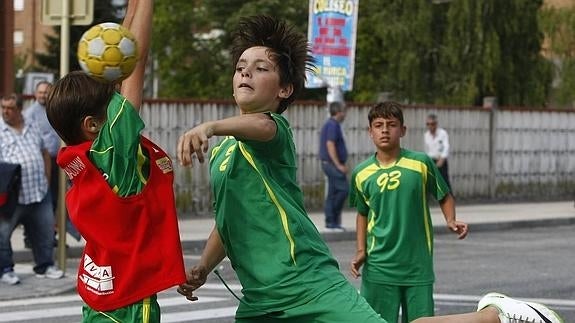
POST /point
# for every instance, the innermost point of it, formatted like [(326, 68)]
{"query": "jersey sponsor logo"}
[(75, 167), (165, 165), (97, 279), (389, 181)]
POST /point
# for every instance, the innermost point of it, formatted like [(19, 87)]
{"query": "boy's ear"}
[(286, 91), (91, 125)]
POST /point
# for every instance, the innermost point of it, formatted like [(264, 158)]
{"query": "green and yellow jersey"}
[(399, 236), (117, 151), (275, 249)]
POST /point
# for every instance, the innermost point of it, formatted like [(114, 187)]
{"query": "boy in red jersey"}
[(133, 250)]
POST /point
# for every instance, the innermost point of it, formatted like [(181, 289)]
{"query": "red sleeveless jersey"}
[(133, 247)]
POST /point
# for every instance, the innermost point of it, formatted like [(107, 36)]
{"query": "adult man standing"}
[(333, 155), (36, 113), (437, 146), (21, 143)]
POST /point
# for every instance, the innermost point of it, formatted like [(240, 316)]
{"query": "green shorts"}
[(340, 303), (415, 301), (144, 311)]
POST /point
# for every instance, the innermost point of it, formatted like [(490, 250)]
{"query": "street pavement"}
[(195, 230)]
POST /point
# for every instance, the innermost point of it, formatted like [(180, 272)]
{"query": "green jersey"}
[(399, 236), (117, 151), (274, 247)]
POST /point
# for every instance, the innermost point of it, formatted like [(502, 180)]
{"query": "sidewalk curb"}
[(198, 245)]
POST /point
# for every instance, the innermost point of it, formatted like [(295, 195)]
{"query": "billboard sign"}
[(332, 26)]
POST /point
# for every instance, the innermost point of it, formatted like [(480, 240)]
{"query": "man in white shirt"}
[(437, 146)]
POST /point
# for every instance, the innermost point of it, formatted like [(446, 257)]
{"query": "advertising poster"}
[(332, 34)]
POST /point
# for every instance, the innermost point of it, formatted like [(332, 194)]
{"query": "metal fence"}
[(501, 154)]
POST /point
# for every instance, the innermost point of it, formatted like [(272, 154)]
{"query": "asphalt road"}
[(534, 263)]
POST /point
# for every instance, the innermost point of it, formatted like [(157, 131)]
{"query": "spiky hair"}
[(288, 47)]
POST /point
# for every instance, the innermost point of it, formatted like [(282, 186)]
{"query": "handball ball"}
[(108, 52)]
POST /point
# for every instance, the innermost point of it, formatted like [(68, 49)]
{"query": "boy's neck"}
[(387, 157)]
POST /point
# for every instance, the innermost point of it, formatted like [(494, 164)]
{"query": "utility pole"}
[(7, 47)]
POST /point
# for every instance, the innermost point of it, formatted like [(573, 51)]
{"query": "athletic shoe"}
[(51, 272), (516, 311), (10, 278), (335, 229)]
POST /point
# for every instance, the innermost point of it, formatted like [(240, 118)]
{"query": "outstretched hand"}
[(195, 277), (194, 142)]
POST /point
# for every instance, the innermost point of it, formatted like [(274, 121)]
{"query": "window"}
[(18, 5), (18, 37)]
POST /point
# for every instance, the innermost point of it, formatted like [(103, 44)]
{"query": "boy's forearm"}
[(361, 232), (447, 206), (214, 251), (257, 126), (138, 20)]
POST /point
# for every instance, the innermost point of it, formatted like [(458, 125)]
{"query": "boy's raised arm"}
[(138, 20)]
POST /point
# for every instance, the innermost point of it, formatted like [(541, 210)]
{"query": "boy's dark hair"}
[(335, 107), (387, 109), (71, 99), (288, 48)]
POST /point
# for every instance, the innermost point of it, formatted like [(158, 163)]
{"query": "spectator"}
[(437, 146), (36, 113), (21, 143), (333, 155)]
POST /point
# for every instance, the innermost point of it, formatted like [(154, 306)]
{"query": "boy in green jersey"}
[(287, 271), (394, 230)]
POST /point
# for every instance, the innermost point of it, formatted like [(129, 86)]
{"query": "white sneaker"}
[(516, 311), (51, 272), (10, 278)]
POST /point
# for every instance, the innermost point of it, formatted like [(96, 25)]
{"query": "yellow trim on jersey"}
[(140, 166), (281, 210), (118, 114), (418, 166), (146, 309), (370, 226), (113, 319), (363, 175)]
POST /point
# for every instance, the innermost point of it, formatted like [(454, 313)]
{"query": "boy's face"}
[(256, 82), (386, 133)]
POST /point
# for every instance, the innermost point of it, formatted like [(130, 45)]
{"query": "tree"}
[(104, 11), (559, 27), (395, 50), (493, 48), (453, 52), (191, 42)]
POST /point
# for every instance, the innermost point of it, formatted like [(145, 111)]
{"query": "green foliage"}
[(190, 42), (559, 26), (451, 53), (104, 11)]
